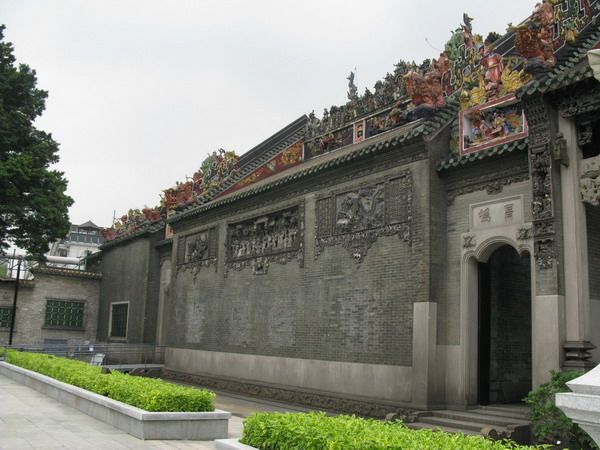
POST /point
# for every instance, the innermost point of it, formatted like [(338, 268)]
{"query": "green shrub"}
[(316, 431), (145, 393), (549, 424)]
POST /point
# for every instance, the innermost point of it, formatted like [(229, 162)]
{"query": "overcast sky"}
[(141, 91)]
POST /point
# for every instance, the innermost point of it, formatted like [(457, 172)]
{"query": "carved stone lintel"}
[(495, 186), (577, 355), (581, 100), (469, 241), (524, 234), (545, 254)]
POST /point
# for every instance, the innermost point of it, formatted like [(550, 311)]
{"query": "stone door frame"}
[(477, 247)]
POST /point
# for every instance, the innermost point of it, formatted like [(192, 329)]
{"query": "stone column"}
[(575, 254), (548, 297), (424, 355)]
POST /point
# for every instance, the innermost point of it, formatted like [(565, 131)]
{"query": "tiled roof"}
[(377, 144), (143, 230), (498, 150), (66, 272), (571, 68)]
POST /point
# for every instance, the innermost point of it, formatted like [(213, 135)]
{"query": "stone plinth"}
[(583, 404)]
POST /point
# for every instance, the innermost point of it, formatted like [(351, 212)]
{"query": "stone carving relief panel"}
[(274, 237), (197, 250), (355, 219), (590, 180)]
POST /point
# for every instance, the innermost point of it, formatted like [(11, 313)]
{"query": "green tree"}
[(33, 202)]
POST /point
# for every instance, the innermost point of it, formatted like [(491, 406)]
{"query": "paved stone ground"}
[(30, 420)]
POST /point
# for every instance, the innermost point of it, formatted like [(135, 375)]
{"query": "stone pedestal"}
[(583, 404)]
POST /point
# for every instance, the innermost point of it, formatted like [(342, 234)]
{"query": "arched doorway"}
[(504, 327)]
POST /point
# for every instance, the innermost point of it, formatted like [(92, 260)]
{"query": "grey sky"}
[(141, 91)]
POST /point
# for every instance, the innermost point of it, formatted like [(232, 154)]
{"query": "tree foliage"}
[(33, 202)]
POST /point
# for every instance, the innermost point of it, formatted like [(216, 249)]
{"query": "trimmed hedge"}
[(145, 393), (550, 424), (316, 431)]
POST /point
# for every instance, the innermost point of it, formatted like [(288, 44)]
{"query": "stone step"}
[(452, 423), (485, 419), (419, 426), (521, 412)]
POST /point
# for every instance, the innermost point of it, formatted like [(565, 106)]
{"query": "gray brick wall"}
[(31, 307), (330, 309)]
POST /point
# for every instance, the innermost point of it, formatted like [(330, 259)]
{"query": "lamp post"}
[(14, 309)]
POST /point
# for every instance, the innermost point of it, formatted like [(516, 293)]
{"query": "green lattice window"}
[(5, 317), (64, 314)]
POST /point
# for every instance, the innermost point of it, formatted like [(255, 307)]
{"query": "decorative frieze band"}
[(274, 237)]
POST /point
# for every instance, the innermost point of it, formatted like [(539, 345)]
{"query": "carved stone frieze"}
[(277, 237), (469, 241), (483, 182), (314, 399), (356, 219), (197, 250), (581, 100)]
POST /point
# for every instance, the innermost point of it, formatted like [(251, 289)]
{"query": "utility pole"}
[(14, 309)]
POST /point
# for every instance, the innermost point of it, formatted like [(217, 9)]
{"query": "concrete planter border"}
[(135, 421), (232, 444)]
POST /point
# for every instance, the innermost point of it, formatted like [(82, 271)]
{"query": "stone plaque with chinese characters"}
[(502, 213)]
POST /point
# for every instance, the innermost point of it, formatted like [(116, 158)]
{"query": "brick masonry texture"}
[(31, 307), (329, 309)]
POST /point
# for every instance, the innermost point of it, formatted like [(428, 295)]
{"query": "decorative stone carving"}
[(585, 133), (590, 180), (534, 38), (524, 234), (545, 254), (356, 219), (543, 228), (559, 150), (275, 237), (483, 182), (197, 250), (469, 241), (316, 400), (579, 100)]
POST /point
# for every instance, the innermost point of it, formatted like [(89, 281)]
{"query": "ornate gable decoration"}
[(356, 219), (274, 237), (289, 157), (197, 250)]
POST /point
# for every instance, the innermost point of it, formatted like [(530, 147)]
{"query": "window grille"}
[(5, 317), (118, 326), (61, 313)]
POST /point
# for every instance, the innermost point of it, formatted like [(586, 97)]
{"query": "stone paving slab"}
[(31, 420)]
